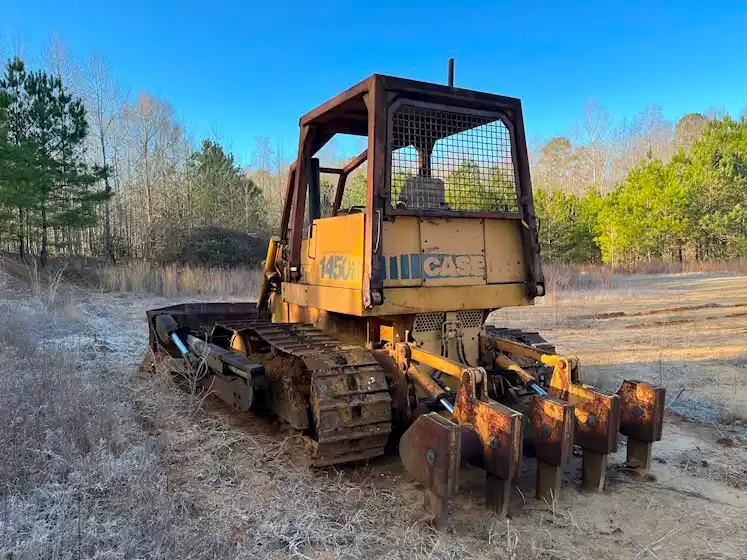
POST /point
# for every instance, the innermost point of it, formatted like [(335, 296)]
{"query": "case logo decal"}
[(433, 266)]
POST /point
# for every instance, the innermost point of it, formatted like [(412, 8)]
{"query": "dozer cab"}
[(370, 323)]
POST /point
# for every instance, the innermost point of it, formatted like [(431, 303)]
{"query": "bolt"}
[(637, 412), (430, 456), (545, 430), (591, 420)]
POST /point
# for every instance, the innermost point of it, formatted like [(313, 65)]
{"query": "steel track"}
[(342, 387)]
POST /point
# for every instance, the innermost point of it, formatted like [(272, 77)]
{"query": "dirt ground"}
[(685, 332)]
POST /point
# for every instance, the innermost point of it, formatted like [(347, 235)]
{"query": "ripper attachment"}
[(480, 431)]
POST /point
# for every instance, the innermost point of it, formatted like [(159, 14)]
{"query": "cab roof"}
[(346, 113)]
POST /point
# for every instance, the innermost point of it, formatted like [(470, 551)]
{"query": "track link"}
[(343, 387)]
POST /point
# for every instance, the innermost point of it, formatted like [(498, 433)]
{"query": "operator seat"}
[(351, 210), (423, 193)]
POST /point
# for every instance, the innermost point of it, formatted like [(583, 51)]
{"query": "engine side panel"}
[(333, 254), (428, 264)]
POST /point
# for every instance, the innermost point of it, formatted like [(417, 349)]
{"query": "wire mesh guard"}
[(447, 160)]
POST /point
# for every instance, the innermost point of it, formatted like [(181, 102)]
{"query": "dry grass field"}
[(101, 463), (684, 332)]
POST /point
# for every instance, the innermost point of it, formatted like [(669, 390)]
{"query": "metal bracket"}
[(552, 430), (597, 419), (500, 430), (484, 432), (641, 420), (431, 452)]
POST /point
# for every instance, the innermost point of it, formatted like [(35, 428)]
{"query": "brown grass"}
[(733, 266), (172, 280), (100, 464), (563, 277), (574, 280)]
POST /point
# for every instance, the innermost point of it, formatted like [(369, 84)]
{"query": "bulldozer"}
[(370, 330)]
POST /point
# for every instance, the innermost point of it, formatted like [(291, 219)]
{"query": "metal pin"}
[(447, 405), (179, 344), (539, 390)]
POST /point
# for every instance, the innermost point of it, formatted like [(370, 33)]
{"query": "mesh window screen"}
[(446, 160)]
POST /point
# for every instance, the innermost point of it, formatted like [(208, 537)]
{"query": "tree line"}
[(89, 168), (691, 205), (86, 170), (46, 186)]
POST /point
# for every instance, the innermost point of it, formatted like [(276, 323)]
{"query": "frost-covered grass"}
[(100, 463), (81, 477)]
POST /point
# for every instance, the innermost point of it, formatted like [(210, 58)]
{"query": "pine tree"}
[(221, 192), (48, 181), (20, 172)]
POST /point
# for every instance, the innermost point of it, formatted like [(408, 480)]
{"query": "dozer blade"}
[(198, 318)]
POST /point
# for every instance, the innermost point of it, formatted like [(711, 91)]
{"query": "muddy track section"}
[(343, 387)]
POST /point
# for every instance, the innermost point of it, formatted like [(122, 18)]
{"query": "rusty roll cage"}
[(363, 110)]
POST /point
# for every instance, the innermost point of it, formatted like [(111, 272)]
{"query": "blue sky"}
[(241, 69)]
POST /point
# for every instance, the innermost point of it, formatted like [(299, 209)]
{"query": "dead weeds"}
[(112, 466)]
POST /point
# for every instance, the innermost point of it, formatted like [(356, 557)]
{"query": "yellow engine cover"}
[(451, 252), (427, 264)]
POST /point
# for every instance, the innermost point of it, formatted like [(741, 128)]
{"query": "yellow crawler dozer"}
[(370, 320)]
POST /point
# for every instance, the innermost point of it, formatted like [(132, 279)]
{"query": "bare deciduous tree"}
[(61, 63), (106, 100), (593, 135), (148, 117)]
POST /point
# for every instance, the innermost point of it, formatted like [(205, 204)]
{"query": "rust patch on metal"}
[(499, 428), (552, 427), (430, 452), (641, 410), (597, 413)]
